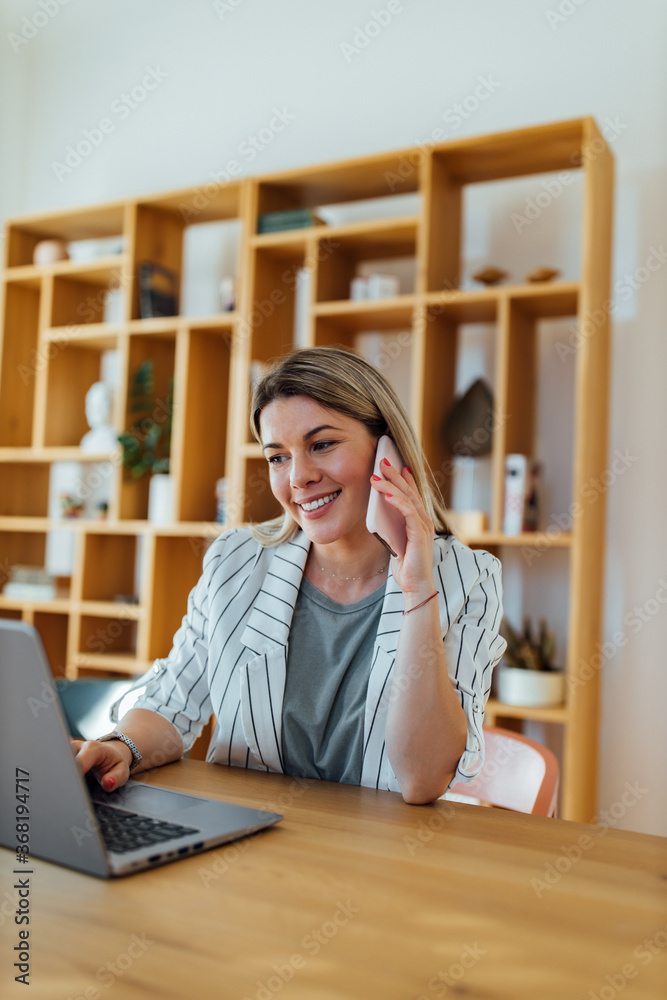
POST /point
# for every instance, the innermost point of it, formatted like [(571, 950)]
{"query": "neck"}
[(345, 562)]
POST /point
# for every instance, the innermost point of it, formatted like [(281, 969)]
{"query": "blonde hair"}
[(345, 382)]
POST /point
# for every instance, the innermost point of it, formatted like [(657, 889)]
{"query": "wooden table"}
[(356, 895)]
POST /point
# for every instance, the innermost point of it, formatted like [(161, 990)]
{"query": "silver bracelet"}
[(136, 756)]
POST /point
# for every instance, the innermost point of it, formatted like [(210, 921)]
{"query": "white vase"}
[(161, 499), (518, 686)]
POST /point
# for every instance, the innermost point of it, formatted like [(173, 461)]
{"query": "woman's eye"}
[(322, 445), (275, 459)]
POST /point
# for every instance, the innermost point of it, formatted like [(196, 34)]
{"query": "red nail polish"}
[(377, 479), (389, 494), (408, 469), (385, 461), (111, 784)]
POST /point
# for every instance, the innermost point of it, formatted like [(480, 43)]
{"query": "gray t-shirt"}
[(328, 665)]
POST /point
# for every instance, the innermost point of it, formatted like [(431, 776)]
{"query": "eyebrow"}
[(306, 436)]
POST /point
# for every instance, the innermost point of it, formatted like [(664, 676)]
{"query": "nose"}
[(303, 472)]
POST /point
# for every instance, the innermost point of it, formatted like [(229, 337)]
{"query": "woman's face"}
[(320, 464)]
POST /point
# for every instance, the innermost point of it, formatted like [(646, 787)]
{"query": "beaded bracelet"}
[(422, 603)]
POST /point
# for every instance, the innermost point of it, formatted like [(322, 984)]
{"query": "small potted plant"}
[(146, 445), (527, 674)]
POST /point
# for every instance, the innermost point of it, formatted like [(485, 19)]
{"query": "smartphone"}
[(383, 520)]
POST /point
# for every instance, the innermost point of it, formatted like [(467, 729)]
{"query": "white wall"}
[(226, 69)]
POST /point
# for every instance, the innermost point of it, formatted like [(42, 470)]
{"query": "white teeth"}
[(319, 503)]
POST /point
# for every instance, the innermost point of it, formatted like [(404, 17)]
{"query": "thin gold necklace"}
[(337, 577)]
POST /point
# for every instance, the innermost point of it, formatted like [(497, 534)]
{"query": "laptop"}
[(55, 812)]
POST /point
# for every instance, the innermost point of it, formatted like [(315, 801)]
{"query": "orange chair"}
[(518, 774)]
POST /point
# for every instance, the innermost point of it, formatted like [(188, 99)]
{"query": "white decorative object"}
[(49, 252), (228, 293), (101, 437), (359, 289), (382, 286), (518, 686), (161, 499), (516, 467)]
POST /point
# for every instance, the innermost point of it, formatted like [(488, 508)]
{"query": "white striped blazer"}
[(229, 656)]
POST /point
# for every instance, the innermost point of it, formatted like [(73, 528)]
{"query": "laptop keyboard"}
[(127, 831)]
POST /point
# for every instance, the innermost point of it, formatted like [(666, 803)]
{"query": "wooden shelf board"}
[(555, 713), (82, 223), (96, 271), (59, 606), (55, 454), (541, 300), (99, 336), (530, 539), (211, 201), (534, 150), (171, 324), (396, 313), (341, 181), (111, 609), (252, 449), (392, 237), (121, 663)]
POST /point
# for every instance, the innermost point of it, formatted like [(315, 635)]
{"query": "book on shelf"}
[(291, 218), (30, 583)]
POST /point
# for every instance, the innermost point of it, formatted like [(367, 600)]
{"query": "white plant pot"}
[(516, 686), (161, 499)]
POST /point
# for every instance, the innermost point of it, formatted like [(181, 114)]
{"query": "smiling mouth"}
[(322, 502)]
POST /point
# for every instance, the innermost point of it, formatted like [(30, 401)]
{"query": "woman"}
[(318, 654)]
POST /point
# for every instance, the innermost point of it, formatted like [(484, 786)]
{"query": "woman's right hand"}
[(109, 761)]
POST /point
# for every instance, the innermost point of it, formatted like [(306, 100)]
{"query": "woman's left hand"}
[(414, 571)]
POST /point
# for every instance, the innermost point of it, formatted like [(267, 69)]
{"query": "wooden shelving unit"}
[(54, 335)]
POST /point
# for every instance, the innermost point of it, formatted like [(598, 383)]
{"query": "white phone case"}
[(383, 520)]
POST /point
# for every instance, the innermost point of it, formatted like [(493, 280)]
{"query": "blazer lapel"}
[(266, 634)]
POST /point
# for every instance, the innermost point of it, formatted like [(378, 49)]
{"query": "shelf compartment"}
[(109, 566), (80, 293), (19, 364), (77, 224), (71, 372), (539, 149), (211, 202), (271, 313), (158, 240), (53, 628), (24, 489), (259, 503), (342, 256), (354, 317), (335, 183), (205, 399), (21, 548), (177, 568), (161, 349), (101, 635)]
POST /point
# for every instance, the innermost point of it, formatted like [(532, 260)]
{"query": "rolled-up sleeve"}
[(473, 645), (177, 687)]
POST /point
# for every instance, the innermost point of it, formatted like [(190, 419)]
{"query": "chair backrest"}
[(87, 701), (518, 774)]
